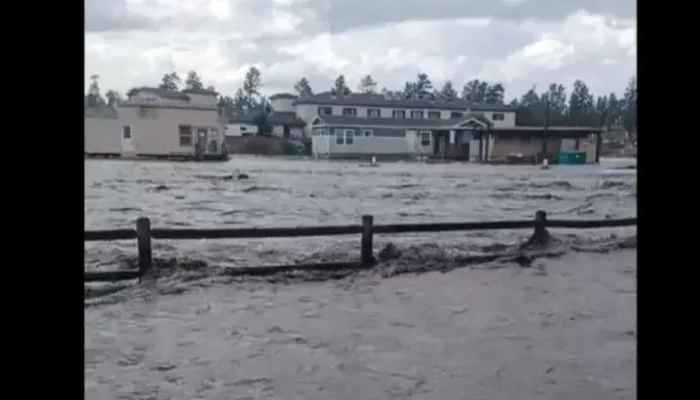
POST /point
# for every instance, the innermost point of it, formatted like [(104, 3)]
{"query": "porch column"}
[(486, 151), (598, 143), (481, 147), (453, 137)]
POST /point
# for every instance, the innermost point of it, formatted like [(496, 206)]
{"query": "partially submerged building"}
[(359, 126), (157, 123)]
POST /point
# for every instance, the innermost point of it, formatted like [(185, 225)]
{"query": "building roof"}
[(469, 121), (201, 91), (401, 123), (288, 96), (378, 100), (101, 112), (276, 118), (165, 93)]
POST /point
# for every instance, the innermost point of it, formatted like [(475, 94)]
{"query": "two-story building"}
[(363, 125), (158, 123)]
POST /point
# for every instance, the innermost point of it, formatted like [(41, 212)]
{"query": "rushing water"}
[(563, 328)]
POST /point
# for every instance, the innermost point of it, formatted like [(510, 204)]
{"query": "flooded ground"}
[(560, 328)]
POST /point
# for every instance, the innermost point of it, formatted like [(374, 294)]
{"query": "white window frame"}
[(367, 132), (349, 136), (378, 110), (501, 116), (124, 130), (417, 112), (319, 132), (435, 112), (430, 137), (394, 112), (339, 137), (180, 135), (352, 112)]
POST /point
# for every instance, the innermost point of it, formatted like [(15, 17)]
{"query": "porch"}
[(457, 143), (531, 145)]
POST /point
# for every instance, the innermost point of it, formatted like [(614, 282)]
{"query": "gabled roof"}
[(101, 112), (201, 91), (475, 120), (378, 100), (164, 93), (287, 96)]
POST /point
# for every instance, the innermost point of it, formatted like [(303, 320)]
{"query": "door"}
[(127, 139), (201, 144)]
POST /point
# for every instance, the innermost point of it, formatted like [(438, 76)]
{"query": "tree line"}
[(554, 106)]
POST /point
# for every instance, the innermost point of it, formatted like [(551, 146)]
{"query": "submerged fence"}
[(144, 235)]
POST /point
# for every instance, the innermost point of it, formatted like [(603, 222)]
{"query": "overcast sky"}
[(521, 43)]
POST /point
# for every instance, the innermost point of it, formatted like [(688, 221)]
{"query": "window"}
[(417, 114), (214, 133), (398, 113), (185, 134), (367, 132), (320, 132), (425, 138), (374, 113), (349, 139), (349, 112), (456, 114), (148, 112), (325, 111), (126, 132), (433, 114), (339, 138), (498, 117)]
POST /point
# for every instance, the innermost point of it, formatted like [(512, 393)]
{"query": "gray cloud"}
[(342, 15), (358, 37), (111, 15)]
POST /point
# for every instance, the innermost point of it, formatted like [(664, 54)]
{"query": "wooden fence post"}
[(366, 256), (143, 239), (541, 236)]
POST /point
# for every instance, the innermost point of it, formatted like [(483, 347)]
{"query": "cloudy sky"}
[(518, 42)]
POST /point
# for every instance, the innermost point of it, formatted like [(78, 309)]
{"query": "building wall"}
[(588, 145), (379, 141), (526, 146), (159, 133), (487, 144), (195, 100), (283, 104), (103, 135), (308, 112), (505, 146), (202, 99), (238, 129)]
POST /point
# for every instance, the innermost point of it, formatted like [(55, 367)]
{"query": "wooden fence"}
[(144, 235)]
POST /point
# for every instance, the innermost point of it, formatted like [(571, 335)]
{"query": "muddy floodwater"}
[(423, 325)]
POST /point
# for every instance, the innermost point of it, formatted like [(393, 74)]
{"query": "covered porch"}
[(456, 143), (532, 145)]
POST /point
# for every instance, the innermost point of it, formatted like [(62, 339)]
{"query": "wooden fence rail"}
[(144, 233)]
